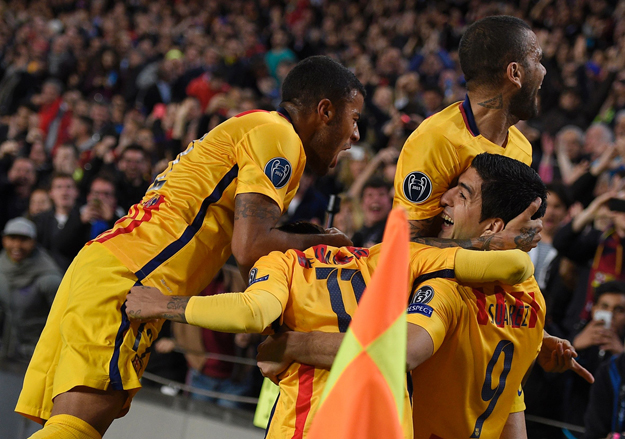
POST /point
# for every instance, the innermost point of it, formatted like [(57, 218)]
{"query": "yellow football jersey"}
[(437, 153), (179, 235), (319, 290), (485, 339)]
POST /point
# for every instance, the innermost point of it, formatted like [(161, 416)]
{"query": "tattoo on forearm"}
[(525, 239), (177, 304), (487, 242), (249, 209), (495, 103), (422, 229)]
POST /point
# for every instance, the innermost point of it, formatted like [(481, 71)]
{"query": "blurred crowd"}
[(97, 96)]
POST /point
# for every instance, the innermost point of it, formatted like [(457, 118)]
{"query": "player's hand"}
[(523, 232), (336, 238), (145, 303), (272, 357), (557, 355)]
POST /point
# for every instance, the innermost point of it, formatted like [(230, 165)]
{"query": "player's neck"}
[(492, 115), (302, 122)]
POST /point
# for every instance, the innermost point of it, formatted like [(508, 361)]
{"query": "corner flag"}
[(364, 395)]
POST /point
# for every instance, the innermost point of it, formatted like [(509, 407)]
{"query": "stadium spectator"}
[(39, 202), (376, 203), (57, 227), (16, 185), (132, 183), (29, 279), (605, 412), (596, 342), (595, 251)]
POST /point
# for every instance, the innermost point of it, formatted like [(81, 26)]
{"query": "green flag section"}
[(268, 394), (365, 394)]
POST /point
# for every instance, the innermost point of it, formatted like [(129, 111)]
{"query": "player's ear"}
[(514, 73), (493, 225), (326, 110)]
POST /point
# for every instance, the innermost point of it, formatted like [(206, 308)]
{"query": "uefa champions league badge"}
[(423, 295), (417, 187), (419, 301), (278, 170)]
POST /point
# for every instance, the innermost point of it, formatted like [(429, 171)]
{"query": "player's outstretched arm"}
[(558, 355), (254, 234), (251, 311), (521, 233)]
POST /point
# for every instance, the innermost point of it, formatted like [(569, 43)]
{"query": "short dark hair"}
[(134, 147), (489, 45), (562, 192), (613, 286), (375, 183), (508, 187), (302, 228), (87, 121), (319, 77), (58, 175)]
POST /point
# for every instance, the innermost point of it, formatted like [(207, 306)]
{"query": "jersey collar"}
[(469, 118)]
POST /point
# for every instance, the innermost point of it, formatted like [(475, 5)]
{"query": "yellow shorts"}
[(88, 339)]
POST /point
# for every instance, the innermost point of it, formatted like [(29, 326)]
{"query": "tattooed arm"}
[(148, 303), (254, 235), (250, 311), (521, 232)]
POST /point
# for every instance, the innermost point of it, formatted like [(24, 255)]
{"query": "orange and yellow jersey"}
[(437, 153), (319, 290), (179, 235), (485, 340)]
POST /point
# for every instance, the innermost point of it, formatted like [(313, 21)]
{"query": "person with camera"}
[(101, 211), (594, 240), (601, 343)]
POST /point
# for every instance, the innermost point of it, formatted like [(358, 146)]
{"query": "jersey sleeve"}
[(510, 267), (273, 274), (519, 401), (271, 163), (262, 303), (427, 166), (434, 307)]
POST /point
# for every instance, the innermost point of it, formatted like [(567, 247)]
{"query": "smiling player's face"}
[(462, 208)]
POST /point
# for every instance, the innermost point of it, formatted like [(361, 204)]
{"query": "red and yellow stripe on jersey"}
[(319, 290), (439, 151), (485, 339), (179, 235)]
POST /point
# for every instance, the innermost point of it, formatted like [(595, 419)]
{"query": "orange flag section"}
[(365, 392)]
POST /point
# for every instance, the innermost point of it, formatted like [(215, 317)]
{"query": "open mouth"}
[(447, 221)]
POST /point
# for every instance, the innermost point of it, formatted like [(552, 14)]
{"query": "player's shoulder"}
[(441, 285), (445, 126), (257, 120)]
